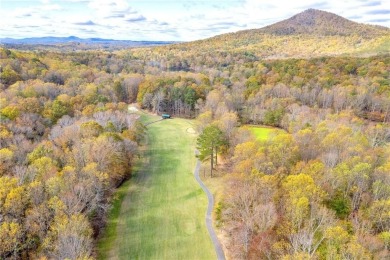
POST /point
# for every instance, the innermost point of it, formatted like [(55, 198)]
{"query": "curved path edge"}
[(209, 222)]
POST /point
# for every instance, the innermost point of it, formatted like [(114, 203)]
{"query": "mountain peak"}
[(317, 22)]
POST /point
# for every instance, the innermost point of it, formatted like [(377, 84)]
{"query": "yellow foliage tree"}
[(10, 239)]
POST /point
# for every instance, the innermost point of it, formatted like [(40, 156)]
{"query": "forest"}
[(317, 189), (67, 141)]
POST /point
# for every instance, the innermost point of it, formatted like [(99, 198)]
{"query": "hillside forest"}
[(319, 188)]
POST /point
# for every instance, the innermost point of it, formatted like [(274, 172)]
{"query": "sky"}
[(173, 20)]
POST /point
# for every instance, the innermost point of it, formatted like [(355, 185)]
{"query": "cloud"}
[(197, 16), (110, 9), (28, 26), (138, 18), (228, 24), (378, 12), (84, 30), (372, 3), (23, 12), (89, 23), (379, 20), (190, 4), (354, 17), (318, 5), (51, 7), (119, 15), (76, 1)]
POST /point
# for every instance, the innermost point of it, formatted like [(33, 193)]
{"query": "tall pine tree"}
[(208, 143)]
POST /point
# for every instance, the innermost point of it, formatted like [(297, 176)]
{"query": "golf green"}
[(261, 133)]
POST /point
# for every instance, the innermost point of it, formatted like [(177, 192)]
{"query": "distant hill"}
[(317, 22), (73, 42), (312, 33)]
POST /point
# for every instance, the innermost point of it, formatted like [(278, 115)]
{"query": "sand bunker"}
[(191, 130), (132, 109)]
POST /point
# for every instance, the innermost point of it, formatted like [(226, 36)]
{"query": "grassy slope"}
[(162, 215)]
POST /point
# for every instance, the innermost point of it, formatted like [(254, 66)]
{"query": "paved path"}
[(209, 222)]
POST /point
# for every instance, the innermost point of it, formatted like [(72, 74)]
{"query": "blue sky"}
[(178, 20)]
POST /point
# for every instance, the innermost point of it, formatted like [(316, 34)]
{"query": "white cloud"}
[(51, 7), (110, 8)]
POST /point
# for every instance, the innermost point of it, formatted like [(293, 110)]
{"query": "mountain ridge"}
[(318, 22), (311, 33), (47, 40)]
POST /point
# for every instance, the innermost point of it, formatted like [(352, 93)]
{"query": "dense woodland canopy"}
[(66, 141), (320, 188)]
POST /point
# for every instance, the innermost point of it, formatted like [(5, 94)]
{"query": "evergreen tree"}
[(208, 143)]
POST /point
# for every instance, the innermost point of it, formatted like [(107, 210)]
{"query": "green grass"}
[(107, 242), (261, 133), (162, 214)]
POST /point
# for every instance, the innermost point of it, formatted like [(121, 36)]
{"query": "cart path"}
[(209, 222), (149, 123)]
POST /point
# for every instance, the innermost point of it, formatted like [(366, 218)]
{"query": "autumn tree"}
[(69, 238), (250, 211), (11, 234)]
